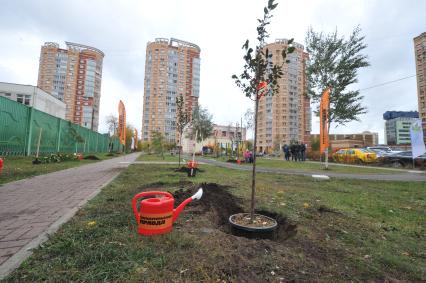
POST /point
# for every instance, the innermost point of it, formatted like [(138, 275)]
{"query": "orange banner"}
[(122, 122), (324, 107)]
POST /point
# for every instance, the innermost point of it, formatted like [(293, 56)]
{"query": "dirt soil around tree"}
[(225, 256)]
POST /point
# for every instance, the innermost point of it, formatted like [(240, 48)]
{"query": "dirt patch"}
[(91, 157), (185, 169), (286, 257), (218, 204)]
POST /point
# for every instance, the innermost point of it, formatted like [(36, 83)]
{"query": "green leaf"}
[(245, 46), (290, 41), (265, 10), (291, 49), (234, 77)]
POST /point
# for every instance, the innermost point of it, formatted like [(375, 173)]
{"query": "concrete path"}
[(397, 176), (34, 208)]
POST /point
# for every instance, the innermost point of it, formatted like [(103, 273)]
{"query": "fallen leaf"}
[(305, 205), (91, 223)]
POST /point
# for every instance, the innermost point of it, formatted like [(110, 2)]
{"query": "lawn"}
[(16, 168), (309, 166), (338, 230)]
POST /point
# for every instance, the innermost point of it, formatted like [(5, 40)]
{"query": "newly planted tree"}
[(260, 77), (182, 119), (158, 143), (334, 62)]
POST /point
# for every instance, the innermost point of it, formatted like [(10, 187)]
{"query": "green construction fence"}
[(23, 127)]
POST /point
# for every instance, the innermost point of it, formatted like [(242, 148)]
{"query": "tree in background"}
[(158, 143), (182, 119), (334, 62), (201, 124), (260, 77), (112, 124), (129, 138), (249, 119)]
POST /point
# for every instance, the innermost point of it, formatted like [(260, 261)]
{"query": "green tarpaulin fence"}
[(21, 127)]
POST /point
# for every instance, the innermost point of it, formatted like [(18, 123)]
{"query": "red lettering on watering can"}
[(155, 221)]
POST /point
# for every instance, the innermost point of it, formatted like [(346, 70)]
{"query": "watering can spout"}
[(179, 209)]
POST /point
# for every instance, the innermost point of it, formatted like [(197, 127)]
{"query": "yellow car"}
[(355, 155)]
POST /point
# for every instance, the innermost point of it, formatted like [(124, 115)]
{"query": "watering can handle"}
[(145, 194)]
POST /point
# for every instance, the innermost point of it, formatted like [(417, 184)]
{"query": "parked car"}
[(355, 155), (404, 159)]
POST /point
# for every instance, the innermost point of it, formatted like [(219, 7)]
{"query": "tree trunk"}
[(180, 148), (253, 177)]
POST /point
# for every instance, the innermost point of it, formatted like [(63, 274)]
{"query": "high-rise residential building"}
[(286, 116), (172, 68), (74, 76), (397, 126), (420, 53)]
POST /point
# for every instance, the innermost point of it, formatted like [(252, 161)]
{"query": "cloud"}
[(122, 30)]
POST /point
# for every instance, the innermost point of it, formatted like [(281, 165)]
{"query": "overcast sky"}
[(121, 29)]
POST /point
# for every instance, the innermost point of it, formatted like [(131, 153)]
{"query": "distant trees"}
[(334, 62), (112, 124), (201, 124), (182, 119)]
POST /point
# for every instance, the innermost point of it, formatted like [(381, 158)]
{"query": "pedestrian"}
[(246, 156), (298, 151), (250, 156), (286, 150), (293, 152), (302, 151)]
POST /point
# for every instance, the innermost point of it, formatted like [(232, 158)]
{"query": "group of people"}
[(296, 151), (248, 156)]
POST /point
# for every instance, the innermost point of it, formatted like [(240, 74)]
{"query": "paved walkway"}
[(34, 208), (397, 176)]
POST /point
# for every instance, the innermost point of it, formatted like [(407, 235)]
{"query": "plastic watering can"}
[(156, 214)]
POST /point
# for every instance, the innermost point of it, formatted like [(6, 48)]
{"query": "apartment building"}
[(73, 75), (172, 68), (286, 116), (420, 57)]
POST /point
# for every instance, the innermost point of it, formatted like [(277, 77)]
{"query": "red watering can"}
[(156, 215), (1, 165)]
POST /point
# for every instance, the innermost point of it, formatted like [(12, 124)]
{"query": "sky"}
[(121, 29)]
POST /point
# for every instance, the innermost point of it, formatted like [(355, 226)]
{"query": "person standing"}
[(293, 152), (302, 151), (286, 151)]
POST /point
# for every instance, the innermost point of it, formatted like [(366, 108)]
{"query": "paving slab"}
[(34, 208)]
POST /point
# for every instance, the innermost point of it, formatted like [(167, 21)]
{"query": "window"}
[(27, 99), (20, 98)]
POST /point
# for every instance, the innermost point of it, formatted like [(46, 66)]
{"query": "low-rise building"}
[(34, 97), (363, 139), (222, 136), (397, 126)]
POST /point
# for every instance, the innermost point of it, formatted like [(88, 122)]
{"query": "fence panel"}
[(21, 128), (13, 127)]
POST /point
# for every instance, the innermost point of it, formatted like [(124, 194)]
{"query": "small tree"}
[(259, 71), (182, 119), (201, 124), (112, 124), (334, 62), (158, 143), (129, 138)]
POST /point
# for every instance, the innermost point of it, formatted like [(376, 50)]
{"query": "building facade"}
[(34, 97), (397, 126), (222, 137), (73, 75), (172, 68), (338, 141), (420, 57), (286, 116)]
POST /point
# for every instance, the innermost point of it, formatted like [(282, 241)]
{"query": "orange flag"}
[(122, 122), (324, 106)]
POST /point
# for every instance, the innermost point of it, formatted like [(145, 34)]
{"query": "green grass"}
[(310, 166), (156, 157), (375, 229), (17, 168)]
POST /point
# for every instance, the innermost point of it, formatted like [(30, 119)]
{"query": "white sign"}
[(416, 134)]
